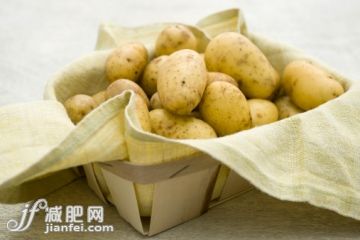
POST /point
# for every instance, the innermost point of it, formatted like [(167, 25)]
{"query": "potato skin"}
[(99, 97), (202, 55), (170, 125), (79, 106), (235, 55), (142, 113), (174, 38), (150, 76), (181, 82), (217, 76), (225, 108), (127, 61), (155, 102), (121, 85), (286, 108), (262, 112), (309, 86)]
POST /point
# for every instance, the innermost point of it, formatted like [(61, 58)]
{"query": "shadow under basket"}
[(182, 190)]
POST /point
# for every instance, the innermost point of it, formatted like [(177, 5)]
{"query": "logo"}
[(55, 221), (24, 223)]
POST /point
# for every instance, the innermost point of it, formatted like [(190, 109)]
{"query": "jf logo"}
[(28, 214)]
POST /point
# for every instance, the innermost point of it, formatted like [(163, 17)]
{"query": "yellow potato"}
[(100, 97), (78, 106), (174, 38), (142, 114), (262, 112), (155, 102), (224, 107), (217, 76), (150, 76), (202, 55), (235, 55), (127, 61), (119, 86), (286, 108), (181, 81), (309, 86), (170, 125)]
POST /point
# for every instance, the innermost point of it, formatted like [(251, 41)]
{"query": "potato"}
[(170, 125), (78, 106), (100, 97), (309, 86), (127, 61), (119, 86), (217, 76), (142, 113), (174, 38), (181, 81), (202, 55), (262, 112), (224, 107), (235, 55), (286, 108), (155, 102), (150, 76)]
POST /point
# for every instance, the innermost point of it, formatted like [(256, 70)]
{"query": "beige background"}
[(39, 37)]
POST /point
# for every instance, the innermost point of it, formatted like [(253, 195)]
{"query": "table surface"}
[(37, 38)]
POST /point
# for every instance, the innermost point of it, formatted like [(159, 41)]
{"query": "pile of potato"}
[(230, 87), (184, 94)]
